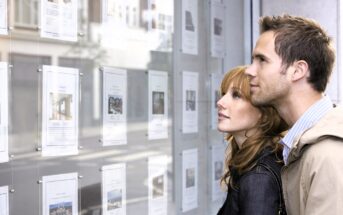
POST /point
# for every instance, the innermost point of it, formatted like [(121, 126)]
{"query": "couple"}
[(283, 89)]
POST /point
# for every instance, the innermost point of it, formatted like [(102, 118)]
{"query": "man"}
[(292, 63)]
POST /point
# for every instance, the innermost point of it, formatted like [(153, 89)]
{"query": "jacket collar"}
[(331, 125)]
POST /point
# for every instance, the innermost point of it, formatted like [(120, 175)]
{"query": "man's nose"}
[(250, 71)]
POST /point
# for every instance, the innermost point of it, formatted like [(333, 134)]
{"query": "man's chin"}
[(258, 101)]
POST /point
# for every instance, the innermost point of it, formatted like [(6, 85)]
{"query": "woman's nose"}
[(220, 103)]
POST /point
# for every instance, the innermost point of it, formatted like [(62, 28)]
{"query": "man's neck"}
[(294, 106)]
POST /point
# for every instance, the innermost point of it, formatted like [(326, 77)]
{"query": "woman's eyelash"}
[(236, 94)]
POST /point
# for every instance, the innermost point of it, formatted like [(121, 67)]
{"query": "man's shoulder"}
[(337, 112), (327, 149), (328, 127)]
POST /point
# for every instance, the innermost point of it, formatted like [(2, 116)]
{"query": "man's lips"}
[(253, 86)]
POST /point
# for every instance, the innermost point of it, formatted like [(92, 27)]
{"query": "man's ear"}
[(301, 70)]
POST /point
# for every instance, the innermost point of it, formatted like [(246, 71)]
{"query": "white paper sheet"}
[(60, 194), (59, 19), (60, 111), (158, 105), (215, 96), (217, 30), (218, 162), (4, 202), (114, 189), (3, 112), (157, 169), (190, 27), (3, 17), (190, 108), (189, 179), (114, 128)]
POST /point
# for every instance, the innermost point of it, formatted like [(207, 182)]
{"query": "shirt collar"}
[(306, 121)]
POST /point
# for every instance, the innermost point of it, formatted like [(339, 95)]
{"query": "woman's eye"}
[(236, 95)]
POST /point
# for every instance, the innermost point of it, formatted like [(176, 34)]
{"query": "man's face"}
[(268, 77)]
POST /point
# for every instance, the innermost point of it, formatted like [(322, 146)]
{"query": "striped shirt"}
[(306, 121)]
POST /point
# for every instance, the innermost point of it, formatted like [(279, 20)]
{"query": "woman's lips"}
[(221, 115)]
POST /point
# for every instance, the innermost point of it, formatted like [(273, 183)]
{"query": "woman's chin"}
[(221, 129)]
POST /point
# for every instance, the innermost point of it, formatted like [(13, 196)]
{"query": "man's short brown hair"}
[(299, 38)]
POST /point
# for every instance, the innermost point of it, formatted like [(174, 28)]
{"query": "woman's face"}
[(236, 115)]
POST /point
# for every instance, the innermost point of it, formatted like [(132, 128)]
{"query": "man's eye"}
[(261, 59)]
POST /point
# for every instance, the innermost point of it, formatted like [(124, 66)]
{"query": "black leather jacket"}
[(257, 191)]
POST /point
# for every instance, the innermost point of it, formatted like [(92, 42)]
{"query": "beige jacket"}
[(313, 178)]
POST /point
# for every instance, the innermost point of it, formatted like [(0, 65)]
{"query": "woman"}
[(254, 157)]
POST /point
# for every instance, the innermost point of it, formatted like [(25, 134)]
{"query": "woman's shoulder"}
[(267, 162), (257, 180), (270, 158), (258, 170)]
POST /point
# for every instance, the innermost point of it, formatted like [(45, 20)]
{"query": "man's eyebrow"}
[(259, 56)]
